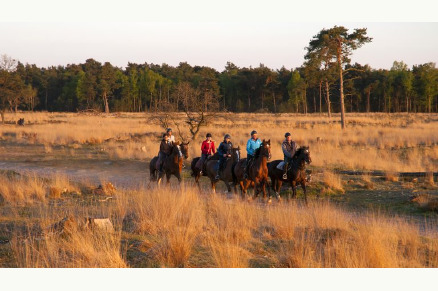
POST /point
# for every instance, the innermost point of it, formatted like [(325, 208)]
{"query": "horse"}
[(257, 172), (196, 172), (296, 173), (172, 164), (226, 174)]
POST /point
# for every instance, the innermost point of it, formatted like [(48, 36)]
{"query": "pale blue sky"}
[(274, 34)]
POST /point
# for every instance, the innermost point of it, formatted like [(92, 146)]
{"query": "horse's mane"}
[(298, 152), (257, 152)]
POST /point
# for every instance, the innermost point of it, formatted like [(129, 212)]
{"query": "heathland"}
[(61, 169)]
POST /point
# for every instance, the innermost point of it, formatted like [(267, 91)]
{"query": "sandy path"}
[(126, 174)]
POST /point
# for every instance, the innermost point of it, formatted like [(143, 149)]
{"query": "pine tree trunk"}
[(105, 100), (2, 112), (368, 99), (275, 104), (341, 85), (429, 103), (327, 96), (320, 97), (305, 100)]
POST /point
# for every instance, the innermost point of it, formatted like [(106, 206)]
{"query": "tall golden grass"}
[(183, 228)]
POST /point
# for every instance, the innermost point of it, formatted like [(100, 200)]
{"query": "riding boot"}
[(218, 171), (286, 165)]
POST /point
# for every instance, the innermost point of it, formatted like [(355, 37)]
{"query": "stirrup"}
[(285, 176), (245, 176), (217, 177), (200, 172)]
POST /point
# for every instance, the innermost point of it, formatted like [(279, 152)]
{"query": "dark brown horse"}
[(296, 173), (257, 172), (227, 173), (196, 172), (172, 164)]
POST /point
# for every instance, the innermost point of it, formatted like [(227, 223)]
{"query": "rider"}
[(207, 149), (289, 148), (165, 151), (171, 136), (251, 146), (224, 152)]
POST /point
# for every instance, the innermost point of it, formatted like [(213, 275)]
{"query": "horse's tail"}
[(152, 170), (192, 166)]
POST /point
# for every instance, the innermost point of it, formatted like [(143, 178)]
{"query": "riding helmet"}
[(253, 132), (227, 136), (169, 129), (208, 135), (287, 134)]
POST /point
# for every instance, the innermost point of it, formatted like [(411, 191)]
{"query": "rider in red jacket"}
[(207, 149)]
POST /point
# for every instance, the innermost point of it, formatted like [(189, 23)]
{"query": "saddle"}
[(280, 165)]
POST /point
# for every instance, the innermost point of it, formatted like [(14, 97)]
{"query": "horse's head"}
[(265, 148), (184, 148), (235, 154), (304, 153)]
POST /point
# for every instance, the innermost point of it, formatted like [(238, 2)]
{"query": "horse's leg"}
[(279, 184), (178, 176), (213, 186), (168, 178), (235, 188), (266, 188), (294, 189), (273, 183), (303, 185), (228, 186), (242, 192), (245, 187), (197, 180), (257, 188)]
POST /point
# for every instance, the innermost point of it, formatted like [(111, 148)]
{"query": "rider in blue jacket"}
[(251, 146)]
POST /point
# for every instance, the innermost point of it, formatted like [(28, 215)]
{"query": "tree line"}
[(326, 74)]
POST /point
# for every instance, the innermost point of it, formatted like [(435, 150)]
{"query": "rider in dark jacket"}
[(224, 151), (289, 148), (165, 150)]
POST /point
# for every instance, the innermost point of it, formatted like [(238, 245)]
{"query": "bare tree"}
[(199, 107)]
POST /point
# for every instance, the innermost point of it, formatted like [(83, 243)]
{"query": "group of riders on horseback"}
[(253, 170)]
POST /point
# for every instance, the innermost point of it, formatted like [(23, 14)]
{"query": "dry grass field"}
[(61, 171)]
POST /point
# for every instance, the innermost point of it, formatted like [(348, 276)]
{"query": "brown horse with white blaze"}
[(257, 172), (172, 164)]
